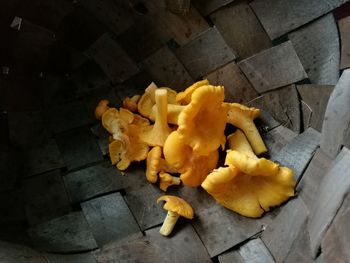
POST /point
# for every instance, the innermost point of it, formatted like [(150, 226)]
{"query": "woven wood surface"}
[(58, 192)]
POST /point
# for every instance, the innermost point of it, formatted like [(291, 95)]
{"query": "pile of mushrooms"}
[(180, 136)]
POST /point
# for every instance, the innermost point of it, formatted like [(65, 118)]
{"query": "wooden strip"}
[(31, 48), (57, 89), (180, 7), (273, 68), (52, 13), (45, 197), (318, 106), (344, 30), (12, 206), (221, 229), (207, 7), (237, 87), (317, 46), (107, 53), (299, 151), (284, 106), (241, 29), (308, 186), (181, 27), (285, 228), (166, 70), (300, 250), (148, 31), (335, 244), (78, 258), (337, 118), (66, 116), (252, 251), (276, 139), (102, 137), (95, 180), (17, 253), (142, 203), (116, 15), (330, 195), (78, 148), (42, 157), (306, 112), (69, 233), (134, 248), (281, 16), (15, 233), (264, 121), (184, 244), (205, 53), (109, 218), (80, 28)]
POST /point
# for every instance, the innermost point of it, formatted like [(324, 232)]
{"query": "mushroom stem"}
[(254, 137), (174, 111), (169, 223)]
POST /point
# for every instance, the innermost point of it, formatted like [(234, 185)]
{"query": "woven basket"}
[(62, 201)]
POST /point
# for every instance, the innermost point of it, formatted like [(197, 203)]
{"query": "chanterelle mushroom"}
[(194, 168), (156, 164), (101, 108), (131, 103), (176, 207), (202, 122), (243, 118), (155, 135), (184, 97), (166, 180), (252, 187)]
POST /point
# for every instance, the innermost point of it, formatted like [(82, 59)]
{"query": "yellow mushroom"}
[(101, 108), (147, 101), (156, 164), (131, 103), (166, 180), (173, 112), (126, 145), (249, 194), (202, 122), (155, 135), (176, 207), (243, 118), (184, 97), (194, 168)]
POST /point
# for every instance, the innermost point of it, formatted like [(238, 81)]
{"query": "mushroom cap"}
[(177, 205), (131, 103), (184, 97), (249, 186), (112, 121), (101, 108), (236, 111), (249, 195), (194, 168), (251, 166), (202, 122)]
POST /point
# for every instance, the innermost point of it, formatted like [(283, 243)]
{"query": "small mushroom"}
[(101, 108), (155, 135), (131, 103), (148, 100), (166, 180), (156, 164), (176, 207), (243, 118)]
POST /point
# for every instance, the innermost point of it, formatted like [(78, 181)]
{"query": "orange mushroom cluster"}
[(180, 136)]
